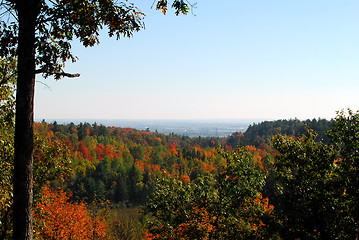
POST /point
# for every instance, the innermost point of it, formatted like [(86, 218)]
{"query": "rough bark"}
[(23, 160)]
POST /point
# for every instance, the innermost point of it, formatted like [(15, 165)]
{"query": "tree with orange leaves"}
[(58, 218)]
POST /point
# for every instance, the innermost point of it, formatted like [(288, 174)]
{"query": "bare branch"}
[(8, 8), (47, 86), (193, 6), (154, 1), (53, 2)]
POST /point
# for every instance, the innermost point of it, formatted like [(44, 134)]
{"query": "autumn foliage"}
[(58, 218), (193, 187)]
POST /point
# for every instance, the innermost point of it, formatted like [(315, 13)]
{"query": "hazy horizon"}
[(191, 128), (97, 120)]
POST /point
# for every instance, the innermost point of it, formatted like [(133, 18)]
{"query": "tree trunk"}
[(23, 161)]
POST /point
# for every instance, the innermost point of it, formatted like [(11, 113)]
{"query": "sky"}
[(231, 59)]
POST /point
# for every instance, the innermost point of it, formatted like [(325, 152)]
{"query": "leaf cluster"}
[(180, 6)]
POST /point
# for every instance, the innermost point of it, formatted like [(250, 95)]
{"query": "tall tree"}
[(39, 33)]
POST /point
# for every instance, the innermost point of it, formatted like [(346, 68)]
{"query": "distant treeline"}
[(262, 133)]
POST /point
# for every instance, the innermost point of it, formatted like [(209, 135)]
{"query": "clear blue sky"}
[(236, 59)]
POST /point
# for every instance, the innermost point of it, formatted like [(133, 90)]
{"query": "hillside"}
[(138, 184)]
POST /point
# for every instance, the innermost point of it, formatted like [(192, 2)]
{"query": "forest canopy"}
[(209, 187)]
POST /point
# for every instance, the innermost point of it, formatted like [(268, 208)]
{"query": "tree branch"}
[(7, 79), (9, 8), (193, 6), (59, 74), (3, 81), (47, 86), (69, 75)]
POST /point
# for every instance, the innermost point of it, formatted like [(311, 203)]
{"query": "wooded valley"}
[(276, 180)]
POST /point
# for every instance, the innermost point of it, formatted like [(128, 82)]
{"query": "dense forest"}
[(262, 133), (277, 180)]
